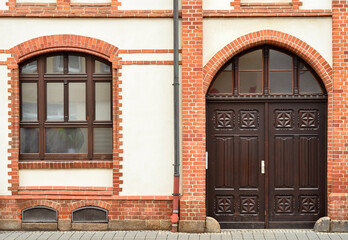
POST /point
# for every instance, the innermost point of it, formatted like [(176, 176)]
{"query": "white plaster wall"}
[(265, 1), (147, 129), (123, 33), (35, 1), (225, 4), (316, 32), (3, 5), (4, 177), (65, 177), (316, 4), (90, 1), (147, 4), (147, 57)]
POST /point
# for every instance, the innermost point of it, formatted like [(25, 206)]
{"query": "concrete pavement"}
[(259, 234)]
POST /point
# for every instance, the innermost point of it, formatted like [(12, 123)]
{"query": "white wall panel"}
[(217, 5), (316, 32), (35, 1), (90, 1), (66, 177), (147, 57), (148, 133), (3, 5), (316, 4), (123, 33), (4, 177), (147, 4)]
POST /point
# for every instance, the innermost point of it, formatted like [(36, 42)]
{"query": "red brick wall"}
[(119, 209), (338, 154), (192, 203)]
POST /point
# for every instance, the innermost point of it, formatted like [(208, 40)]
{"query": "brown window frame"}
[(42, 78), (295, 69)]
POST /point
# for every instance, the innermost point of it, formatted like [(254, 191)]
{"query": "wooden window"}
[(66, 108), (266, 71)]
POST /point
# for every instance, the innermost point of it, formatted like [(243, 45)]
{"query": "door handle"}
[(262, 166)]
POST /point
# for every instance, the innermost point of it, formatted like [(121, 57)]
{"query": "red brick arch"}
[(275, 38), (64, 42), (84, 203)]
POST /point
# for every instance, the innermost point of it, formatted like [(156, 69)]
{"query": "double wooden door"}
[(266, 163)]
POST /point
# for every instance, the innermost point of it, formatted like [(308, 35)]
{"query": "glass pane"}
[(66, 140), (55, 101), (30, 67), (29, 101), (251, 61), (281, 82), (101, 68), (102, 140), (77, 64), (250, 82), (29, 140), (54, 64), (77, 101), (308, 83), (279, 60), (223, 83), (102, 101)]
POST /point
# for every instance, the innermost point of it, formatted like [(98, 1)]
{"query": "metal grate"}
[(90, 214), (39, 214)]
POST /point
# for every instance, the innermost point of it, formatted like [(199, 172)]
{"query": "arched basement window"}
[(266, 71), (66, 108), (90, 214), (39, 214)]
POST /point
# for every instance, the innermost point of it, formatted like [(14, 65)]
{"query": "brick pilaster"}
[(192, 203), (338, 152)]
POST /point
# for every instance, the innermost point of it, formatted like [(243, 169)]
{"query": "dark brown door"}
[(297, 163), (236, 148), (266, 163)]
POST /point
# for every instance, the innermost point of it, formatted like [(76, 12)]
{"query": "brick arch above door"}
[(275, 38)]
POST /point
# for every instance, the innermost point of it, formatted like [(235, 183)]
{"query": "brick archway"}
[(64, 42), (275, 38)]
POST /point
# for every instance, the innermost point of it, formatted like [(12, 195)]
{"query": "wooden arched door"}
[(266, 142)]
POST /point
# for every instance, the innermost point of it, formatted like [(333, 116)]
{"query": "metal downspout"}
[(176, 193)]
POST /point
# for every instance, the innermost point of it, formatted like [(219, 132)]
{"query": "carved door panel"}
[(291, 138), (236, 148), (297, 163)]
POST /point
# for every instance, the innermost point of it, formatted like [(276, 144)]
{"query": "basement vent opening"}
[(39, 214), (90, 215)]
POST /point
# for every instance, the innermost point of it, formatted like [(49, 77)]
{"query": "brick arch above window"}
[(275, 38), (65, 42), (59, 43)]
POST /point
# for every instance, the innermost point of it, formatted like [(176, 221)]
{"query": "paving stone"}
[(247, 236), (323, 236), (312, 236), (301, 236), (183, 236), (344, 236), (279, 236), (104, 235), (13, 235), (34, 236), (3, 235), (55, 235), (204, 236), (119, 235), (76, 236), (87, 236), (215, 236), (66, 235), (193, 237), (151, 235), (130, 235), (23, 235), (268, 236), (45, 235)]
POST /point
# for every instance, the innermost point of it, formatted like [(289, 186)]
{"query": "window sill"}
[(64, 164)]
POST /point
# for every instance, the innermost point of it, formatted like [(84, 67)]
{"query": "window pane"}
[(29, 140), (66, 140), (102, 140), (101, 68), (77, 101), (251, 61), (29, 67), (281, 82), (222, 84), (55, 101), (77, 64), (308, 83), (54, 64), (102, 101), (250, 82), (29, 101), (279, 60)]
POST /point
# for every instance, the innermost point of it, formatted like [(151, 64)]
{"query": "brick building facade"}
[(132, 185)]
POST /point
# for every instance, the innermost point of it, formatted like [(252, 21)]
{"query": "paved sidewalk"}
[(261, 234)]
